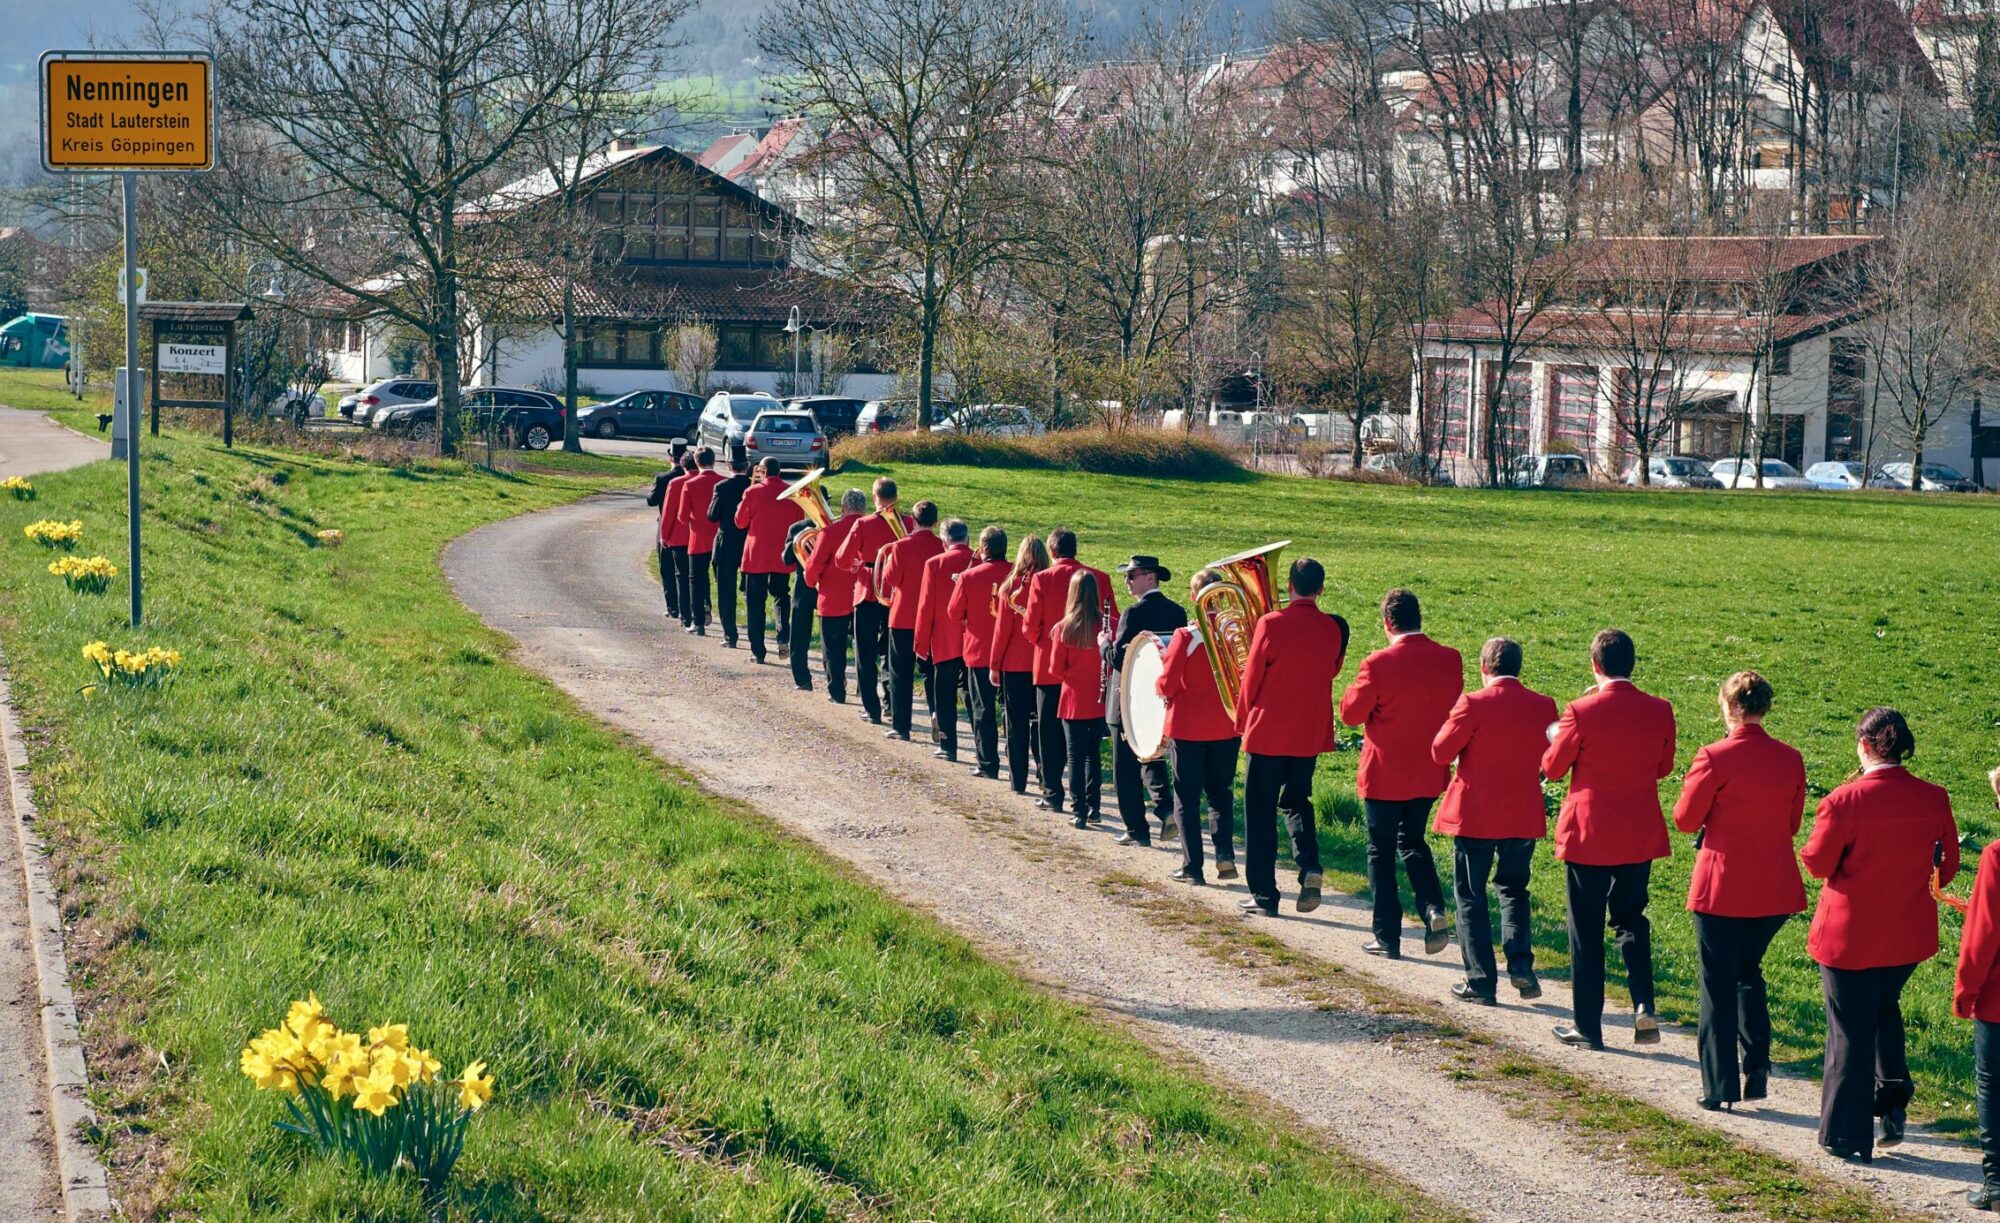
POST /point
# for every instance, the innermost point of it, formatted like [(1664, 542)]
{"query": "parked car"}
[(728, 416), (529, 419), (795, 439), (992, 420), (1548, 471), (836, 414), (1673, 471), (644, 414), (361, 406), (1937, 478), (296, 405), (1843, 476), (1416, 468), (1742, 473)]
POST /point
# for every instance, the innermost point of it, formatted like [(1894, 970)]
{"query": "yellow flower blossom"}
[(474, 1091), (375, 1094), (394, 1035)]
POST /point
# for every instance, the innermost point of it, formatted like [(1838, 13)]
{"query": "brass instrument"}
[(1228, 611), (1004, 591), (889, 515), (1965, 841), (812, 499)]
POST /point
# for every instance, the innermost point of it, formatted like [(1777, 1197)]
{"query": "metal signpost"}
[(128, 113)]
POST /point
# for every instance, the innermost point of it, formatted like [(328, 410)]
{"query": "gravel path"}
[(571, 586)]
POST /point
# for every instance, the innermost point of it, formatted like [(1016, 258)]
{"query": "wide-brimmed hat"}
[(1147, 564)]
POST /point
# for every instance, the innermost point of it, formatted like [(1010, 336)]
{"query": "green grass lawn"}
[(1842, 601), (350, 790)]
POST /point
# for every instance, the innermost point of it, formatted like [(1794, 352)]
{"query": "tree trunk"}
[(572, 440), (933, 313)]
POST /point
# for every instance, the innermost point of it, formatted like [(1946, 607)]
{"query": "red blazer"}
[(1620, 742), (1874, 842), (1286, 704), (1496, 734), (971, 609), (1976, 993), (1748, 795), (1013, 649), (1048, 599), (861, 551), (836, 592), (1403, 694), (767, 520), (673, 523), (1080, 671), (1187, 683), (696, 491), (902, 565), (939, 638)]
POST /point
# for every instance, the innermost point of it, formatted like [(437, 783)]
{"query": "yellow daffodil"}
[(427, 1066), (394, 1035), (374, 1094), (303, 1013), (474, 1090)]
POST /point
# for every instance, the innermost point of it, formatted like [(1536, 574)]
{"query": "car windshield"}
[(1932, 472), (783, 424), (746, 407), (1681, 467), (1778, 467)]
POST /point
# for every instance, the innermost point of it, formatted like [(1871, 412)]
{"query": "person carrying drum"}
[(1151, 611)]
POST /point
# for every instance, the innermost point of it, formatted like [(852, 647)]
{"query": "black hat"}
[(679, 447), (739, 457), (1147, 564)]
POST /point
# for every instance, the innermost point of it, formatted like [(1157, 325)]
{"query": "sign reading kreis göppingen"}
[(126, 113)]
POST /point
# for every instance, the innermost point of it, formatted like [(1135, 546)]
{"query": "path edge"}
[(86, 1187)]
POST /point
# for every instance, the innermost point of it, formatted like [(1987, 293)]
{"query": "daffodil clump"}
[(20, 487), (52, 534), (90, 576), (148, 668), (330, 538), (375, 1098)]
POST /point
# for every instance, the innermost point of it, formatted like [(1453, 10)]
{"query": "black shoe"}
[(1309, 892), (1253, 904), (1569, 1035), (701, 630), (728, 643), (1852, 1157), (687, 628), (1078, 822), (838, 700), (1892, 1129), (1097, 817), (1527, 986), (1464, 992), (1225, 868), (1645, 1027), (802, 687), (1756, 1086), (1436, 930), (1985, 1197), (756, 658), (1126, 838), (1708, 1105), (1388, 951), (1184, 875)]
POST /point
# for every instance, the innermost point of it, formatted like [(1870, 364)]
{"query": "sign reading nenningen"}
[(126, 112)]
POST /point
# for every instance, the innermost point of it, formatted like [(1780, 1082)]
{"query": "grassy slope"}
[(1843, 602), (350, 790)]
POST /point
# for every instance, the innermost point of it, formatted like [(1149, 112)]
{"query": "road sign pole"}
[(134, 384)]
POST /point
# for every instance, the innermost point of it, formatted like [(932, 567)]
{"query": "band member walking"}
[(971, 610), (1401, 695), (1284, 714), (940, 640), (1976, 996), (765, 521), (657, 498), (1494, 814), (860, 552), (1151, 612), (1048, 596), (804, 603), (1744, 799), (1204, 748), (1616, 743), (673, 521), (1875, 841), (1076, 655), (696, 493), (728, 555), (901, 576), (835, 589), (1013, 666)]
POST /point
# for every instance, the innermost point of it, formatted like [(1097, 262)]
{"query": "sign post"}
[(128, 113)]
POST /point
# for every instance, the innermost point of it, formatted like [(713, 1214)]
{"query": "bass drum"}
[(1142, 714)]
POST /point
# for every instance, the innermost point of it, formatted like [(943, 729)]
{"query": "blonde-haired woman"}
[(1079, 660), (1013, 669)]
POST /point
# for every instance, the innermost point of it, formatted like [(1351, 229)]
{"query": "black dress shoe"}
[(1985, 1197), (1464, 992), (1268, 908), (1097, 817), (1756, 1086), (1645, 1026), (1388, 951), (1528, 986), (838, 700), (1184, 875), (728, 643), (701, 630), (1568, 1034), (1852, 1157), (895, 734), (1078, 822), (1892, 1129), (1437, 931), (1708, 1105), (758, 659)]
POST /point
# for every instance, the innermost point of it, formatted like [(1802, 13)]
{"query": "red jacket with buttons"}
[(766, 520), (1401, 695), (1875, 841), (971, 608), (1496, 734), (696, 491), (673, 523), (902, 575), (1618, 743), (939, 638), (1976, 992), (1013, 649), (1746, 795), (1080, 671), (861, 551), (1286, 702), (1048, 600), (836, 592), (1187, 684)]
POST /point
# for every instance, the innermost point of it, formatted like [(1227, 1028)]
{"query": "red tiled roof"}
[(721, 147), (1574, 327), (771, 149), (711, 294), (1708, 260)]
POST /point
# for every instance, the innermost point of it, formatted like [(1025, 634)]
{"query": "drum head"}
[(1142, 714)]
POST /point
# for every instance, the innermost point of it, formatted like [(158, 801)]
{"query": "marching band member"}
[(1204, 748), (1013, 665), (1402, 695), (860, 552), (835, 589), (765, 520), (1494, 814), (1151, 612), (1047, 597), (657, 499), (1744, 798), (673, 522), (1076, 656), (722, 506), (1976, 996), (939, 643), (902, 578), (695, 496), (1616, 743), (1284, 715), (804, 603), (972, 610), (1875, 842)]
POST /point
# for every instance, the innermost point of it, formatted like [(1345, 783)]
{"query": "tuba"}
[(1228, 611), (812, 499), (891, 516)]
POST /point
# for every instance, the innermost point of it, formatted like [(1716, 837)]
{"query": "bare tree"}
[(691, 355)]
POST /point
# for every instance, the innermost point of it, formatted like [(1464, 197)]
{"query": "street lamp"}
[(795, 324)]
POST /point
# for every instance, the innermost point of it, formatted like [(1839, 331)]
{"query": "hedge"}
[(1128, 452)]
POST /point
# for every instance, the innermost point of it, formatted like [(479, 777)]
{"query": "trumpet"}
[(889, 515), (812, 499), (1228, 611)]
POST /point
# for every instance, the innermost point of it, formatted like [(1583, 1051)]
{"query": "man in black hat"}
[(729, 538), (662, 485), (1150, 611)]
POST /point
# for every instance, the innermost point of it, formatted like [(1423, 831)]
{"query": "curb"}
[(86, 1190)]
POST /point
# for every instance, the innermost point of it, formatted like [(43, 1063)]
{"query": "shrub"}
[(1129, 452)]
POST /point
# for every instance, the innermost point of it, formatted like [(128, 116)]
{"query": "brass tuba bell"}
[(812, 499), (894, 519), (1228, 611)]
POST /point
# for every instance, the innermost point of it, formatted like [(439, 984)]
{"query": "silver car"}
[(362, 405), (728, 416), (1742, 473), (793, 438)]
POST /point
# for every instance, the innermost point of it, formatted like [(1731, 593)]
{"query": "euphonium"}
[(894, 519), (812, 499), (1228, 611)]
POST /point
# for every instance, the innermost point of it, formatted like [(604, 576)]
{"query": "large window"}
[(1510, 403), (619, 345), (1573, 405), (1447, 406), (1846, 376), (670, 224)]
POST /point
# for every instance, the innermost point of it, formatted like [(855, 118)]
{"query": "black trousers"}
[(1505, 861), (726, 561), (1620, 890), (1396, 834), (1986, 1088), (1206, 768), (762, 588), (667, 586), (1865, 1074), (1024, 746), (945, 680), (902, 677), (1084, 738), (833, 634), (982, 696), (871, 621), (1049, 729), (683, 600), (1734, 1009), (1136, 781), (804, 601), (698, 587), (1274, 783)]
